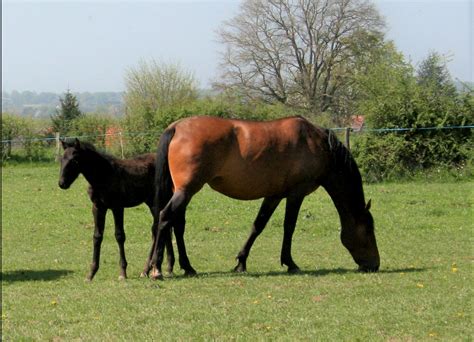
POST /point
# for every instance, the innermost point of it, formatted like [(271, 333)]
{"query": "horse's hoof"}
[(190, 273), (122, 277), (144, 275), (240, 269), (157, 277), (294, 270), (88, 279)]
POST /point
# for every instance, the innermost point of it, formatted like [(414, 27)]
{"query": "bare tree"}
[(297, 52), (152, 86)]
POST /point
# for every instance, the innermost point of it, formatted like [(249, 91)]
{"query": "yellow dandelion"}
[(432, 334), (420, 285), (53, 302), (454, 269)]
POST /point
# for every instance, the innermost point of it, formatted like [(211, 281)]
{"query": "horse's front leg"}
[(266, 210), (120, 237), (293, 205), (99, 213)]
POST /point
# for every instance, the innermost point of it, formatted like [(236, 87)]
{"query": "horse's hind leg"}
[(169, 251), (147, 267), (266, 210), (293, 205), (120, 237), (167, 218), (169, 254), (99, 221), (179, 227)]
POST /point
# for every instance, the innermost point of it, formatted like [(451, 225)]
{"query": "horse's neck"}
[(97, 170), (347, 195)]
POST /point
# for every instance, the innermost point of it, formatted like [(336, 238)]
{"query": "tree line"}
[(327, 60)]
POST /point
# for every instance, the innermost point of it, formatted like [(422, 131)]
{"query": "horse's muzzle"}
[(63, 185)]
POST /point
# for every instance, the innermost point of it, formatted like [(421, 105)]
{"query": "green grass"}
[(422, 292)]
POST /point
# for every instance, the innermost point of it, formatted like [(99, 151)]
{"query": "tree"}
[(152, 89), (67, 112), (425, 102), (296, 52)]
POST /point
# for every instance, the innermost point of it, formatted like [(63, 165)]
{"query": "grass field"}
[(422, 292)]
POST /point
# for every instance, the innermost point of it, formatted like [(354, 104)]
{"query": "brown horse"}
[(113, 184), (287, 158)]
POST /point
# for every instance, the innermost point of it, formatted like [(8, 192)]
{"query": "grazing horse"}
[(113, 184), (286, 158)]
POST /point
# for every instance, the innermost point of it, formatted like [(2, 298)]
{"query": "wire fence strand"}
[(134, 134)]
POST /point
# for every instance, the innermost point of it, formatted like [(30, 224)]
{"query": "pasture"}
[(422, 292)]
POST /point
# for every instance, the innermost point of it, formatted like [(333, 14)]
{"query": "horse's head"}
[(70, 163), (359, 238)]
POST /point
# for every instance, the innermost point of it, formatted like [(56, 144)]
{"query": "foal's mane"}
[(87, 146)]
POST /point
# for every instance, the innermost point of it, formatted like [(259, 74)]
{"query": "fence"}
[(49, 148)]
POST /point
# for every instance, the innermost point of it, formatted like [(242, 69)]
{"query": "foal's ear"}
[(63, 143), (77, 143), (369, 203)]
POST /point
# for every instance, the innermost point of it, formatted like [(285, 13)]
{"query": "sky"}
[(86, 45)]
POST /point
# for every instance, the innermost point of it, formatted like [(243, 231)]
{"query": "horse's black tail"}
[(163, 181)]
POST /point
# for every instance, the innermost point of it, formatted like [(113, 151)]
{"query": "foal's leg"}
[(293, 205), (120, 237), (266, 210), (99, 220), (167, 218)]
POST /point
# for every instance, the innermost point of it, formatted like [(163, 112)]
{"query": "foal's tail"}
[(163, 181)]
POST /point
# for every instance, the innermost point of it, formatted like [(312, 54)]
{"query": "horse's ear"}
[(63, 143), (77, 143), (369, 203)]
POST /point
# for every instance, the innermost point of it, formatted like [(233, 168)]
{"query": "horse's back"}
[(246, 159)]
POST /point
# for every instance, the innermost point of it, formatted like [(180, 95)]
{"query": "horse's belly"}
[(250, 184)]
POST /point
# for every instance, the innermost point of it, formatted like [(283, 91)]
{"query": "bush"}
[(93, 128), (396, 98)]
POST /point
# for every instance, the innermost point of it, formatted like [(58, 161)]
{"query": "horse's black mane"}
[(344, 165)]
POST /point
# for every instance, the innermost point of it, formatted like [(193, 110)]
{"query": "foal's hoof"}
[(122, 277)]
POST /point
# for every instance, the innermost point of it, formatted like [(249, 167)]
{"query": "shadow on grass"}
[(33, 275), (315, 273)]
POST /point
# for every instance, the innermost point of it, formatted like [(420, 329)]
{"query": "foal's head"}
[(359, 238), (70, 163)]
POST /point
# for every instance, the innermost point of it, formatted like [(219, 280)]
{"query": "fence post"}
[(58, 146), (121, 142), (348, 132)]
